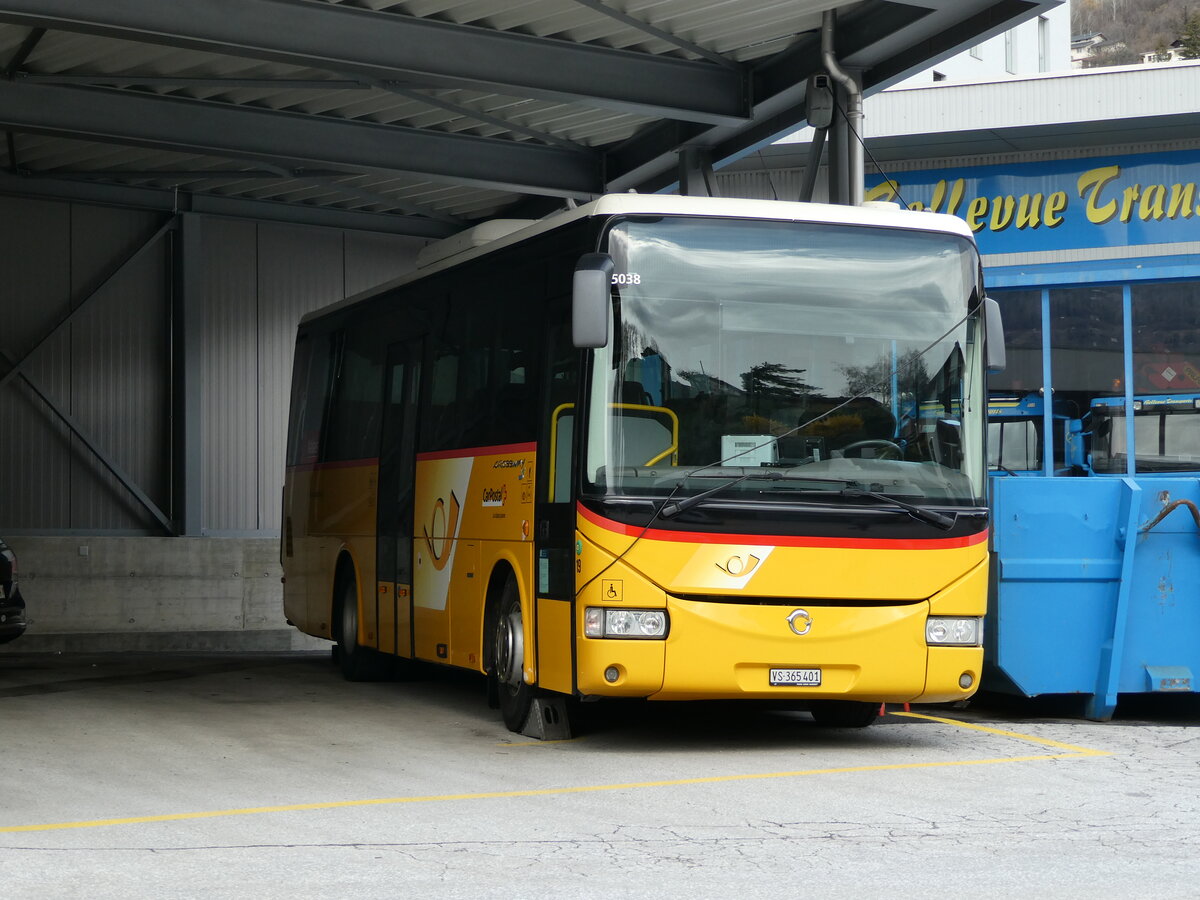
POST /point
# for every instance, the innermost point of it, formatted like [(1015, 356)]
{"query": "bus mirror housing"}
[(948, 433), (993, 324), (591, 307)]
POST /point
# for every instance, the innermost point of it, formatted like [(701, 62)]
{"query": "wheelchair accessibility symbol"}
[(610, 590)]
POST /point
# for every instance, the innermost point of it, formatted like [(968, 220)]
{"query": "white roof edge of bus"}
[(465, 241), (666, 204)]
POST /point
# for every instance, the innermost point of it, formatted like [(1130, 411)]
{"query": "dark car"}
[(12, 607)]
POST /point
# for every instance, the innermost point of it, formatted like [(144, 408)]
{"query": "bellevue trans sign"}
[(1150, 198)]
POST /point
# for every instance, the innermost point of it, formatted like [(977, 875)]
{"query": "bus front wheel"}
[(508, 659), (844, 713), (356, 661)]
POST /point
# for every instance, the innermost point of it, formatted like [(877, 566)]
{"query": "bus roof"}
[(880, 215)]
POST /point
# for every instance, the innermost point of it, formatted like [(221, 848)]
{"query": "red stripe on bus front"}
[(777, 540), (497, 450)]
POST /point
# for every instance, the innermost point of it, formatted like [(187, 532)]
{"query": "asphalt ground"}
[(267, 775)]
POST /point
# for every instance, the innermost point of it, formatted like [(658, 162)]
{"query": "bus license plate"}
[(794, 677)]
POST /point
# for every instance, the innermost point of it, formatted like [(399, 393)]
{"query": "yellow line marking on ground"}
[(1080, 751), (1071, 752)]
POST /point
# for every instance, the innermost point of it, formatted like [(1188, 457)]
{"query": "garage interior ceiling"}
[(423, 117)]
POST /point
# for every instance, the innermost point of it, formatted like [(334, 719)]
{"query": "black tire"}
[(844, 713), (508, 659), (358, 663)]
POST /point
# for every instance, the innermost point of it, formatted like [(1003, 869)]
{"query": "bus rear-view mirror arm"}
[(591, 308)]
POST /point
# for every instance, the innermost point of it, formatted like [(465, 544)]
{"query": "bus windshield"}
[(823, 356)]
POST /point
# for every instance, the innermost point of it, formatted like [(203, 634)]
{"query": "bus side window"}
[(445, 412), (310, 381), (354, 418), (514, 377)]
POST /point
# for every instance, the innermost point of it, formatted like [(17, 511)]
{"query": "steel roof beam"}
[(289, 84), (165, 200), (646, 28), (648, 161), (85, 438), (875, 37), (27, 47), (126, 79), (388, 46), (294, 139)]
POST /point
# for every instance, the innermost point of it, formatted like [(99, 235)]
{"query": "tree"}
[(875, 379), (1190, 39), (773, 382)]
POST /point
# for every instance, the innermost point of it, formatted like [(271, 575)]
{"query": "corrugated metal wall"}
[(35, 290), (247, 360), (229, 355), (772, 184), (109, 368), (119, 360), (259, 279)]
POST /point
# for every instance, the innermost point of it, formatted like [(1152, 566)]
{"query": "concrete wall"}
[(99, 594)]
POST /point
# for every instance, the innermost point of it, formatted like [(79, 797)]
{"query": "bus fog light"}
[(965, 680), (629, 624), (954, 631), (611, 674)]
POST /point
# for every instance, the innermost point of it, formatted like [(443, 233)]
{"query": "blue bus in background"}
[(1015, 428)]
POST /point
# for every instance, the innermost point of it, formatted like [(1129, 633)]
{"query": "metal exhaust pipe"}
[(854, 110)]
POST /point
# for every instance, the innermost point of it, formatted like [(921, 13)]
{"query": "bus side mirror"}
[(591, 307), (993, 324)]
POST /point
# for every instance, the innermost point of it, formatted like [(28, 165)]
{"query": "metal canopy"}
[(424, 116)]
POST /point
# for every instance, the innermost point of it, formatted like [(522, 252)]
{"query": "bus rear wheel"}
[(844, 713), (508, 659)]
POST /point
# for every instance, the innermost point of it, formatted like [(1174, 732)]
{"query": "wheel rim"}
[(510, 648)]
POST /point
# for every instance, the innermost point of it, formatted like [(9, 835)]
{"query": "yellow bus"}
[(655, 447)]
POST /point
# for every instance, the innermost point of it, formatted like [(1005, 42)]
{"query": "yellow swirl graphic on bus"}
[(446, 526)]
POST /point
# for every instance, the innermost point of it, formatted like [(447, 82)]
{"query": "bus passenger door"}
[(300, 556), (396, 481)]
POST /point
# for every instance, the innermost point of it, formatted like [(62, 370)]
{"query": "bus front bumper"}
[(728, 650)]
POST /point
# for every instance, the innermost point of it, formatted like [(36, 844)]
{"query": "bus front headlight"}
[(954, 631), (627, 624)]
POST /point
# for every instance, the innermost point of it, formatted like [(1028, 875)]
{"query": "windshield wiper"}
[(675, 507), (921, 513)]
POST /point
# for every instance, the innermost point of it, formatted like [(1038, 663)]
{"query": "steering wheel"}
[(889, 450)]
